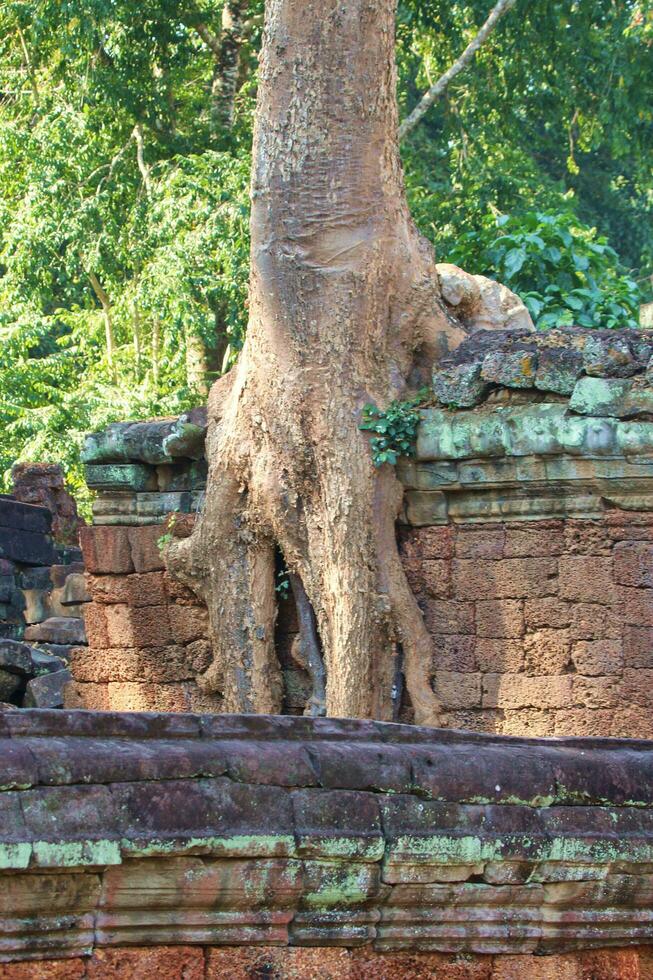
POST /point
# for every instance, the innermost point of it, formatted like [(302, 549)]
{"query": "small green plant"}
[(395, 428), (166, 538)]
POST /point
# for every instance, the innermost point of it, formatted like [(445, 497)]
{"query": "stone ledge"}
[(145, 829)]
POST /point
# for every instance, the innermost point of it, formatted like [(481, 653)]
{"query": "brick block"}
[(584, 722), (593, 622), (547, 613), (106, 550), (457, 690), (144, 548), (473, 719), (544, 539), (447, 616), (510, 578), (547, 651), (95, 624), (629, 526), (637, 687), (134, 590), (178, 592), (436, 578), (162, 962), (597, 657), (638, 646), (143, 626), (454, 653), (585, 579), (500, 618), (511, 691), (426, 542), (636, 606), (128, 696), (632, 721), (528, 723), (633, 563), (188, 623), (472, 542), (587, 538), (499, 656), (151, 665), (595, 692), (68, 969)]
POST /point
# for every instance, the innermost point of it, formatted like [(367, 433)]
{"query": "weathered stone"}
[(46, 663), (145, 552), (549, 612), (613, 397), (121, 476), (449, 617), (27, 547), (558, 369), (586, 579), (499, 655), (47, 690), (74, 590), (597, 657), (38, 605), (15, 657), (500, 618), (511, 578), (633, 564), (638, 646), (547, 652), (483, 542), (58, 629), (146, 589), (608, 355), (10, 684), (512, 370), (106, 550), (460, 385), (520, 691), (24, 516), (455, 653)]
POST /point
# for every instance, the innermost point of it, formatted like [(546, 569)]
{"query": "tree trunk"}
[(345, 310)]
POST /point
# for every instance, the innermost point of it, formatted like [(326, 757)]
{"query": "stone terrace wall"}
[(527, 535)]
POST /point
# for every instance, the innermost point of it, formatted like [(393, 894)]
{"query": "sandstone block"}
[(58, 629), (638, 646), (150, 665), (188, 623), (597, 657), (586, 579), (510, 578), (106, 550), (511, 691), (633, 563), (499, 656), (591, 621), (594, 692), (138, 626), (500, 618), (636, 606), (454, 653), (535, 541), (47, 691), (457, 690), (144, 548), (95, 622), (528, 723), (479, 543), (547, 651), (547, 613), (584, 723), (447, 616)]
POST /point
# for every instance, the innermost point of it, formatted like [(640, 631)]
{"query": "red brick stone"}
[(500, 618), (474, 542), (591, 621), (188, 623), (510, 578), (597, 657), (447, 616), (499, 656), (436, 578), (160, 962), (457, 690), (629, 525), (134, 590), (587, 538), (543, 539), (632, 721), (547, 613), (95, 624), (594, 692), (637, 687), (511, 691), (547, 652), (585, 579), (145, 626), (636, 606), (74, 969), (638, 646), (144, 547), (106, 550), (454, 653), (151, 665), (633, 563), (426, 542), (584, 722)]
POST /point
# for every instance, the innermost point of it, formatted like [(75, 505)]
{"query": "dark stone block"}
[(16, 657), (27, 547), (58, 629), (24, 517), (47, 690)]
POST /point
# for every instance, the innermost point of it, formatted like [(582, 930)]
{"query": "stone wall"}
[(527, 535)]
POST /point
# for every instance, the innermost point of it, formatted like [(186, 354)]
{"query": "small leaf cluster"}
[(394, 428)]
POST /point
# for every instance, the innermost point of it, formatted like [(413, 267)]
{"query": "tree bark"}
[(345, 310)]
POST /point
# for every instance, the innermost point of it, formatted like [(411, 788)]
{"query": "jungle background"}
[(124, 173)]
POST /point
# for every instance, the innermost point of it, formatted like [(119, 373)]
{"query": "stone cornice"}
[(144, 829)]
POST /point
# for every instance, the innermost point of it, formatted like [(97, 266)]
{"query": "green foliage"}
[(565, 272), (395, 428)]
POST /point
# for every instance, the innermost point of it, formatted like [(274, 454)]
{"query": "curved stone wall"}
[(150, 830)]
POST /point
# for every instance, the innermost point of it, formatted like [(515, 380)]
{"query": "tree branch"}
[(137, 133), (438, 87)]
